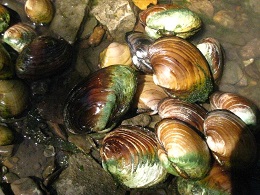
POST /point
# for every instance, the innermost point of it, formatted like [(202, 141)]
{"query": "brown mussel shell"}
[(44, 57), (239, 105), (139, 44), (213, 52), (14, 98), (6, 64), (148, 95), (232, 143), (183, 151), (193, 114), (181, 69), (129, 154), (98, 102), (39, 11)]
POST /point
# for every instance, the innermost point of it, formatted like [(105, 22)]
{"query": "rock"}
[(68, 18), (117, 16), (25, 186), (225, 18), (85, 176), (203, 7), (139, 120), (232, 73), (251, 49)]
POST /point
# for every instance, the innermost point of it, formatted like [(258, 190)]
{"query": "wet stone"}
[(251, 49), (25, 186), (85, 176), (232, 73)]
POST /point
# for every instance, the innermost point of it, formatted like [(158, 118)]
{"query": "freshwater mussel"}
[(193, 114), (43, 57), (232, 143), (239, 105), (139, 44), (181, 69), (6, 64), (129, 153), (165, 19), (19, 35), (213, 52), (4, 18), (14, 98), (183, 150), (98, 102)]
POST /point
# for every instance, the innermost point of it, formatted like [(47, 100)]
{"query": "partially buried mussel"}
[(181, 69), (129, 153), (100, 100), (44, 57), (6, 64), (4, 18)]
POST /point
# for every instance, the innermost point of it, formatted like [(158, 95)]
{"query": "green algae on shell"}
[(4, 18), (98, 102), (6, 64)]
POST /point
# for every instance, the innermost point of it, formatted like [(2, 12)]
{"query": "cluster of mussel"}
[(158, 71), (25, 56), (170, 76)]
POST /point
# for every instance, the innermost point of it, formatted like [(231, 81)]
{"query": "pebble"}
[(225, 18), (232, 73), (25, 186)]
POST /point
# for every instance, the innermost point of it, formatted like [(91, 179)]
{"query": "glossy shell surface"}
[(239, 105), (4, 18), (183, 151), (19, 35), (129, 153), (98, 102), (6, 64), (14, 98), (44, 57), (6, 135), (213, 52), (230, 140), (181, 69), (192, 114)]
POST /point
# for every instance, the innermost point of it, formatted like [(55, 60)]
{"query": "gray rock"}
[(232, 73), (25, 186), (68, 18), (85, 176), (116, 15)]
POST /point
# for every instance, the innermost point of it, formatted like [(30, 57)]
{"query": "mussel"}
[(19, 35), (167, 20), (139, 44), (44, 57), (4, 18), (39, 11), (148, 95), (14, 98), (98, 102), (181, 69), (115, 53), (129, 153), (193, 114), (6, 135), (183, 151), (239, 105), (213, 52), (232, 143), (6, 64)]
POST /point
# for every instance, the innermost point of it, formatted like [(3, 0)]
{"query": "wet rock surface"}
[(45, 159)]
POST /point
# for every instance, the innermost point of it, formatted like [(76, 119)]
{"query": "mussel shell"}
[(4, 18), (115, 53), (14, 98), (139, 44), (39, 11), (218, 181), (129, 153), (213, 53), (193, 114), (6, 64), (183, 151), (181, 69), (6, 135), (19, 35), (98, 102), (148, 95), (171, 20), (43, 57), (232, 143), (239, 105)]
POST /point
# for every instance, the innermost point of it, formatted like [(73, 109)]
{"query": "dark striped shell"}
[(129, 154), (181, 69), (98, 102)]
